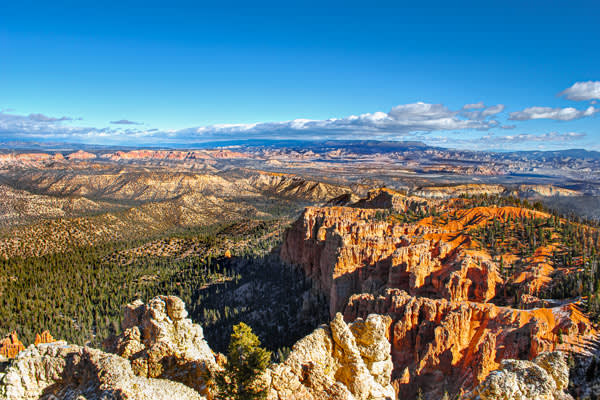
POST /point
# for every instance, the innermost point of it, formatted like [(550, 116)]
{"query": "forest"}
[(77, 295)]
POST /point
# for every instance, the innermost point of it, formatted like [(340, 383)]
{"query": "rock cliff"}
[(161, 342), (68, 372), (348, 250), (544, 378), (440, 345), (437, 283)]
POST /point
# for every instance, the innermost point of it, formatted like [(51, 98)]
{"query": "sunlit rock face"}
[(544, 378), (161, 342), (337, 361), (435, 283), (68, 372)]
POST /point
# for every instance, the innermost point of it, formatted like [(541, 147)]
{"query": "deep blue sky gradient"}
[(176, 65)]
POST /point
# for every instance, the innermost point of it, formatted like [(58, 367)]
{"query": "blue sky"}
[(189, 72)]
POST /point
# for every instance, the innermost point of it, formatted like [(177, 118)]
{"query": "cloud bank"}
[(558, 114), (581, 91), (401, 121), (125, 122), (431, 123)]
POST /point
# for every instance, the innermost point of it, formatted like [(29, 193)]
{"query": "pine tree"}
[(246, 361)]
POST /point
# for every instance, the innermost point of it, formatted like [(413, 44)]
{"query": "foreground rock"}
[(338, 361), (67, 372), (161, 342), (544, 378)]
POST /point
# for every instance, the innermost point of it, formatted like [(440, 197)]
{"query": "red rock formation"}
[(10, 346), (436, 284), (44, 337), (81, 155), (347, 250), (442, 345)]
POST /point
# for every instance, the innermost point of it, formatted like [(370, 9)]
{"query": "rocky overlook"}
[(161, 354), (452, 319)]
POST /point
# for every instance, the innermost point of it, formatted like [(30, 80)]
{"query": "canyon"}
[(369, 274), (451, 323)]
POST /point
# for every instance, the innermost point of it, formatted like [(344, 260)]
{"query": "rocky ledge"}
[(161, 354), (544, 378)]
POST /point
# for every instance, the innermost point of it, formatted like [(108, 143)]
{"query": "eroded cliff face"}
[(348, 250), (440, 345), (437, 284)]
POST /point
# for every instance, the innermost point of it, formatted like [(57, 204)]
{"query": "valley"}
[(467, 259)]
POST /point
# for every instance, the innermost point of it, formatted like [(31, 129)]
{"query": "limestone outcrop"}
[(544, 378), (161, 342), (337, 361), (67, 372)]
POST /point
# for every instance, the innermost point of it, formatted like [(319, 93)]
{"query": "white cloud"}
[(589, 90), (401, 121), (559, 114), (528, 137), (473, 105), (481, 111)]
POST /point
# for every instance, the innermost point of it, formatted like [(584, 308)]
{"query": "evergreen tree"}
[(246, 361)]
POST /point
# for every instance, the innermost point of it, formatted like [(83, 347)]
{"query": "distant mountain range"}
[(363, 147)]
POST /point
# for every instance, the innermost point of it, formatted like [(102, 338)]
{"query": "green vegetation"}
[(246, 360), (77, 295), (573, 250)]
